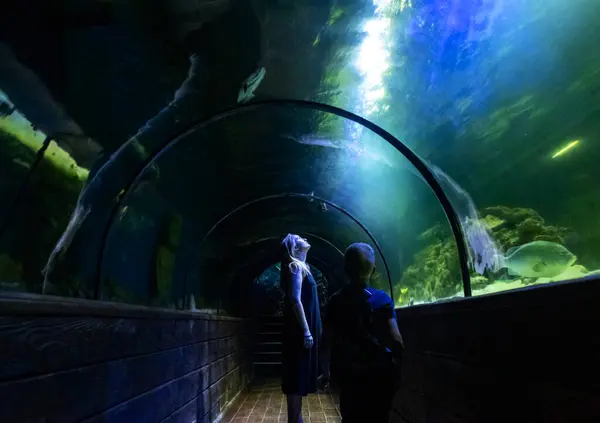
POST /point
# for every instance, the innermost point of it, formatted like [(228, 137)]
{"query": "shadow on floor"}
[(265, 403)]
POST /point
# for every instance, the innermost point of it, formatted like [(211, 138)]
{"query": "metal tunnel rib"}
[(325, 241), (414, 159), (284, 195), (325, 269), (306, 233)]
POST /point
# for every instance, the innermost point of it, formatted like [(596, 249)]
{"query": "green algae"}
[(33, 140), (435, 272), (45, 206)]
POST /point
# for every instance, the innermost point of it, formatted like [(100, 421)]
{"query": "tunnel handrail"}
[(284, 195), (411, 156)]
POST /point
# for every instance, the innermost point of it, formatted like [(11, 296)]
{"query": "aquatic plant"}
[(516, 226), (435, 271)]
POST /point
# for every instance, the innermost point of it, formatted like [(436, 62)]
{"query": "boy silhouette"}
[(362, 342)]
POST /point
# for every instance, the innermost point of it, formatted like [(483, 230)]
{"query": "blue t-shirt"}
[(360, 329)]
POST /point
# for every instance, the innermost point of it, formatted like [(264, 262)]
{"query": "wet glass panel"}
[(139, 261), (501, 96), (248, 240), (39, 189), (241, 183)]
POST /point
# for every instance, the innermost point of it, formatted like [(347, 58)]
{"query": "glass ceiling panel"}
[(262, 172), (499, 95)]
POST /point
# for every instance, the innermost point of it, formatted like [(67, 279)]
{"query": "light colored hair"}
[(290, 245)]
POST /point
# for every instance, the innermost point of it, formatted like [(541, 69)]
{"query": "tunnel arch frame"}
[(314, 260), (320, 264), (309, 234), (293, 195), (402, 148)]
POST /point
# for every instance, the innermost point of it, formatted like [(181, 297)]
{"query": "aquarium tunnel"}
[(223, 227), (154, 154)]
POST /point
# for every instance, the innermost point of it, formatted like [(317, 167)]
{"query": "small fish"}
[(248, 87), (323, 206), (537, 259), (321, 141), (355, 149)]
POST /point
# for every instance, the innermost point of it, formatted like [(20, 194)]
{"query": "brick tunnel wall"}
[(526, 356), (82, 361)]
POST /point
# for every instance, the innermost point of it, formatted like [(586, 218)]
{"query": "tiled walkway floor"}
[(266, 404)]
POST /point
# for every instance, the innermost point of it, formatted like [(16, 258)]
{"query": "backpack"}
[(361, 354)]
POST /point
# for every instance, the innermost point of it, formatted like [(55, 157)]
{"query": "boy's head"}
[(359, 262)]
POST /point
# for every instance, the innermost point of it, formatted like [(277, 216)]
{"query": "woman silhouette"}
[(302, 326)]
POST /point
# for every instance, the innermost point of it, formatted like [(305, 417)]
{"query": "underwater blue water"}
[(487, 92)]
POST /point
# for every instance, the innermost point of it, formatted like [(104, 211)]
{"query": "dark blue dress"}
[(300, 365)]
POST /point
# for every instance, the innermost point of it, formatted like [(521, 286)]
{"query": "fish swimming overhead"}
[(251, 83), (538, 259)]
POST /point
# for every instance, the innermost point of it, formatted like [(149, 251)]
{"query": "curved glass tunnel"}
[(210, 221), (500, 95)]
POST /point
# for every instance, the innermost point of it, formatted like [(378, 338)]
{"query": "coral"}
[(492, 222), (478, 281), (435, 272), (521, 225)]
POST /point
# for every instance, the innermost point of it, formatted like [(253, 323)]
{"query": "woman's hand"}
[(308, 341)]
